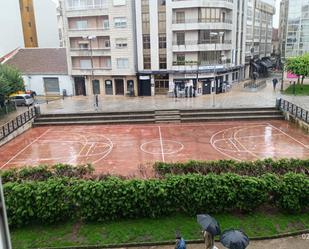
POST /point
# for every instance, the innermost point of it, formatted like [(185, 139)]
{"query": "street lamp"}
[(215, 34), (90, 38)]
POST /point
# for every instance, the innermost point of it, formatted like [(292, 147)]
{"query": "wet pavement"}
[(238, 97)]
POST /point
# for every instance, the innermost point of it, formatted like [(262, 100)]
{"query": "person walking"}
[(275, 81), (209, 240), (180, 242)]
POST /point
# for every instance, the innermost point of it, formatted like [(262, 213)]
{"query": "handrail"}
[(295, 110), (11, 126)]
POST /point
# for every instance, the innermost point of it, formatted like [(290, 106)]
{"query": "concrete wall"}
[(36, 83), (303, 125), (46, 23), (19, 131), (11, 32)]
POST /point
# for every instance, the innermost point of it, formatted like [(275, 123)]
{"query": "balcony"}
[(200, 24), (87, 10), (187, 66), (94, 71), (204, 45), (182, 4), (106, 51), (99, 31)]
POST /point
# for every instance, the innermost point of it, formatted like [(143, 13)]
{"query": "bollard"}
[(37, 110), (278, 103)]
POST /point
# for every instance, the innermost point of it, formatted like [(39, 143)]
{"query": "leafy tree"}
[(298, 65)]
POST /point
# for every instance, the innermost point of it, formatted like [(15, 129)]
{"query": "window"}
[(162, 40), (83, 24), (180, 38), (146, 41), (107, 44), (106, 24), (120, 22), (147, 61), (162, 61), (85, 64), (119, 2), (161, 2), (121, 43), (145, 23), (180, 17), (181, 58), (122, 63), (83, 45)]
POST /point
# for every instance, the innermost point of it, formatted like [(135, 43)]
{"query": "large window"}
[(162, 40), (121, 43), (82, 24), (147, 61), (209, 57), (212, 15), (180, 17), (122, 63), (119, 2), (146, 41), (180, 38), (162, 61), (145, 23), (85, 64), (120, 22), (180, 58)]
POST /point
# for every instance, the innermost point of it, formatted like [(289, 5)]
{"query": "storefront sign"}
[(291, 75), (144, 77)]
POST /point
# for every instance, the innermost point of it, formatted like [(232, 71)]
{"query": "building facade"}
[(189, 44), (294, 34), (259, 26), (100, 39)]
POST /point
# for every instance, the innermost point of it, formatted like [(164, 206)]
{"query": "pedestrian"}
[(275, 81), (180, 242), (209, 240)]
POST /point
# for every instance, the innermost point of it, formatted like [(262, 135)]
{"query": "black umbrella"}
[(209, 224), (234, 239)]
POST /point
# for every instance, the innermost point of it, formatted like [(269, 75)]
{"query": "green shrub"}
[(255, 168), (113, 198)]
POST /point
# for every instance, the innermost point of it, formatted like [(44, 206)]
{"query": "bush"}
[(255, 168), (43, 172), (92, 200)]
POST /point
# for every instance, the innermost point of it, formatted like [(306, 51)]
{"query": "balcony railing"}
[(294, 110), (202, 20), (92, 69), (89, 50), (201, 42), (89, 29), (202, 64), (229, 1)]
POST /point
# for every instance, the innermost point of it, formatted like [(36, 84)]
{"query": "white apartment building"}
[(259, 27), (100, 45), (187, 44)]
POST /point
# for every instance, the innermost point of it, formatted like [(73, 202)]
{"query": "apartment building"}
[(259, 26), (100, 46), (294, 30), (27, 23), (189, 43)]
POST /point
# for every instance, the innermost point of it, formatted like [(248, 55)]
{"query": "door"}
[(80, 87), (96, 87), (206, 86), (145, 87), (130, 87), (51, 86), (119, 86), (108, 87)]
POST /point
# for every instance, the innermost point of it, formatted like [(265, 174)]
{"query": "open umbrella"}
[(209, 224), (234, 239)]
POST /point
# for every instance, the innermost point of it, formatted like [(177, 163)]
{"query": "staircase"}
[(167, 116), (203, 115), (159, 116)]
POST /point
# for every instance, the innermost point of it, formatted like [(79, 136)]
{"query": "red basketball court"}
[(126, 149)]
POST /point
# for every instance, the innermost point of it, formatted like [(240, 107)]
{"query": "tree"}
[(11, 81), (298, 65)]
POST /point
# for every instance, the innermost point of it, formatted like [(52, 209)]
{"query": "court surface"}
[(130, 150)]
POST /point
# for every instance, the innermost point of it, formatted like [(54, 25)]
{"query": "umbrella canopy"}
[(209, 224), (234, 239)]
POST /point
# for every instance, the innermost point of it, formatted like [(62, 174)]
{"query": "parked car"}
[(22, 99)]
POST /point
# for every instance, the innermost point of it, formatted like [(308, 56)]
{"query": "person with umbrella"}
[(180, 242), (234, 239), (210, 227)]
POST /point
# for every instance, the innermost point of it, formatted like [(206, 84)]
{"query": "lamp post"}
[(215, 34), (90, 38)]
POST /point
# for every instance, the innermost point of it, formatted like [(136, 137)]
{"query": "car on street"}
[(22, 99)]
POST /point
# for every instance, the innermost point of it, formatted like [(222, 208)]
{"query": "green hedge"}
[(64, 199), (44, 172), (250, 168)]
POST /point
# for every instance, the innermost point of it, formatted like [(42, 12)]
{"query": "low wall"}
[(289, 117), (17, 132)]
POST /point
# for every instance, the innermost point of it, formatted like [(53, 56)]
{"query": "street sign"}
[(5, 241)]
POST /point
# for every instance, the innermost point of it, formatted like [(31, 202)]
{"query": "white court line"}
[(90, 147), (231, 140), (307, 147), (21, 151), (161, 143)]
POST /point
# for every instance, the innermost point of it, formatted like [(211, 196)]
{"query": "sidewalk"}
[(285, 243), (238, 97)]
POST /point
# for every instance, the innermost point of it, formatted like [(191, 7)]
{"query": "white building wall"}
[(36, 83), (11, 32), (46, 23)]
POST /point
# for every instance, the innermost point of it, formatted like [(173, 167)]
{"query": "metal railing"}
[(295, 110), (201, 20), (255, 84), (201, 42), (229, 1), (11, 126)]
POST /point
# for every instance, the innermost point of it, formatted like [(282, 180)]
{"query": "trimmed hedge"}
[(250, 168), (64, 199), (44, 172)]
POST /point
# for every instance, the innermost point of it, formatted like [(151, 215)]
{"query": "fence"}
[(295, 110), (7, 108), (255, 84), (11, 126)]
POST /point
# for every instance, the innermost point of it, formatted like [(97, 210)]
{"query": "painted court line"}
[(161, 143), (21, 151)]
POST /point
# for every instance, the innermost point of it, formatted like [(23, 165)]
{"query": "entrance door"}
[(51, 86), (80, 87), (206, 86), (108, 87), (145, 88), (119, 86), (96, 87)]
